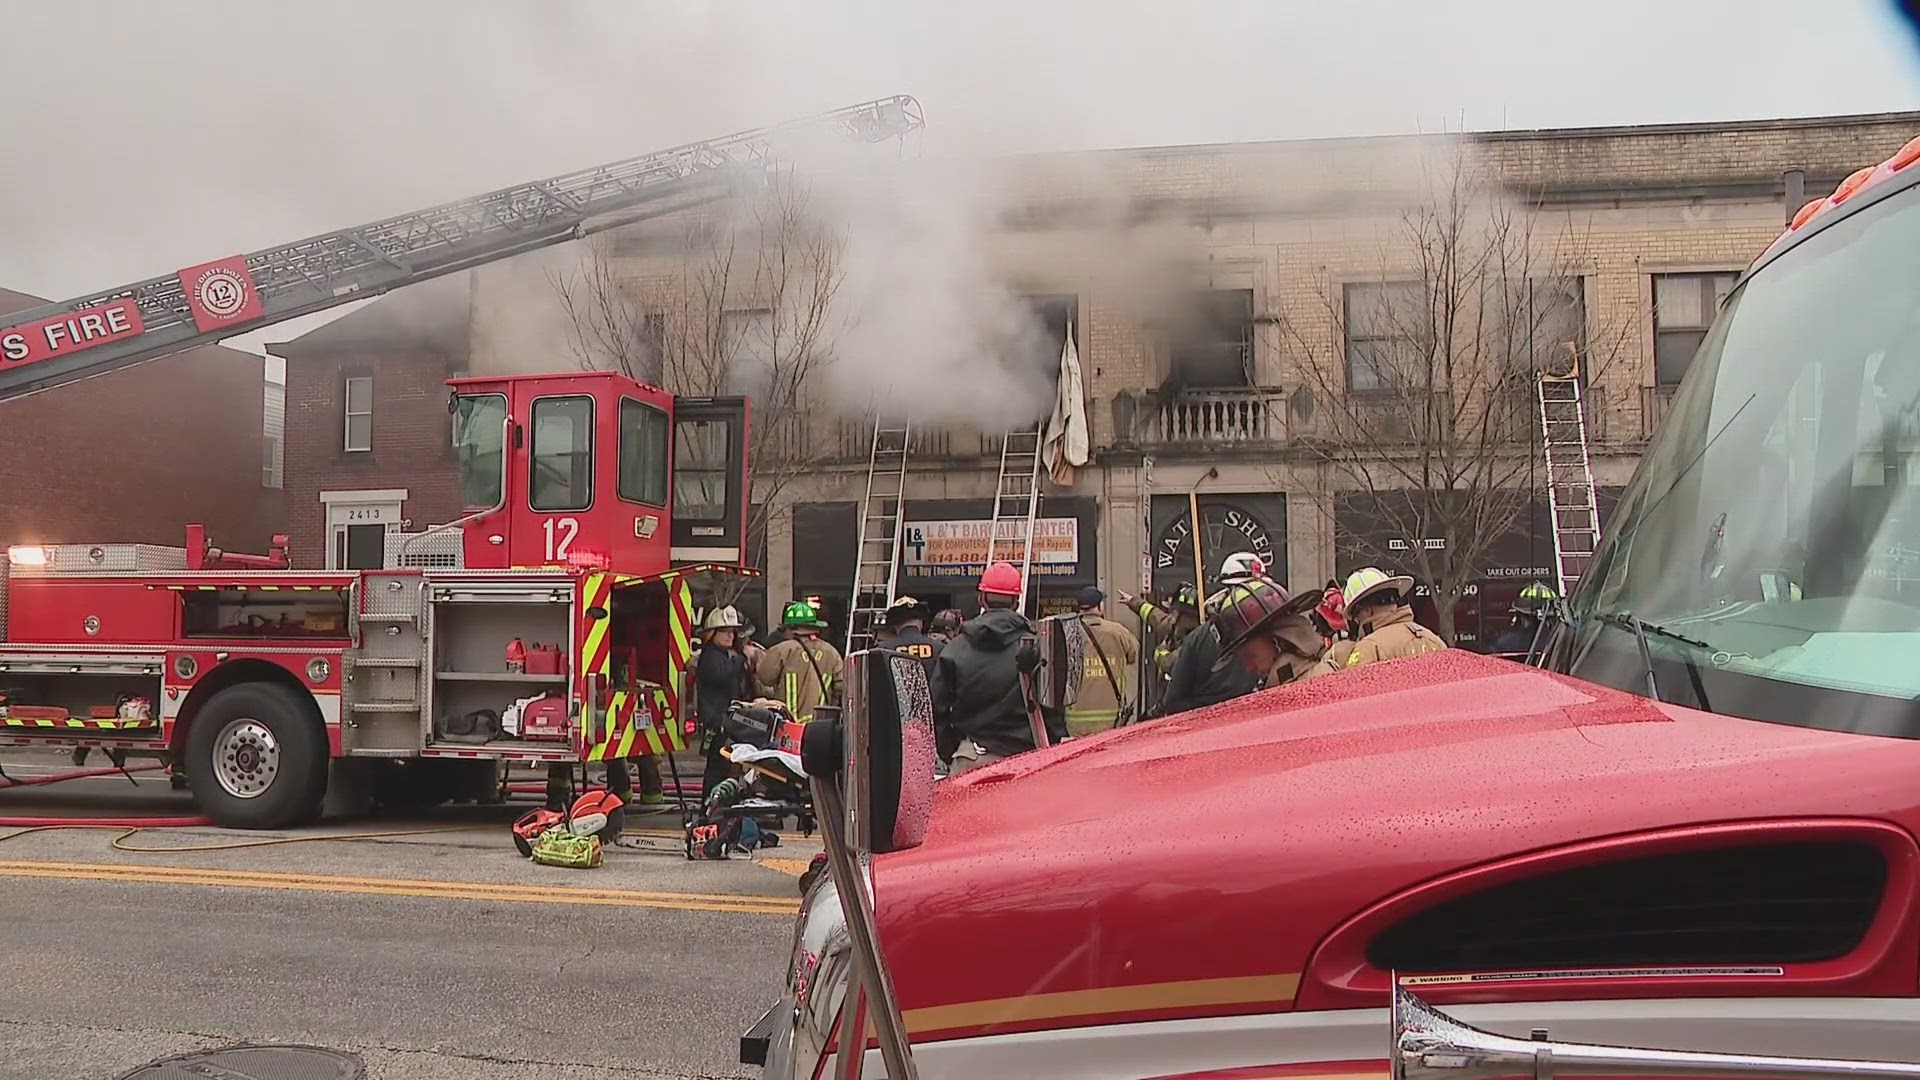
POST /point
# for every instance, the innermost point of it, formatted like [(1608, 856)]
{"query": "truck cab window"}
[(700, 469), (562, 464), (643, 453), (479, 434)]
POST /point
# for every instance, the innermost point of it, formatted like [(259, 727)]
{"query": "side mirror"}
[(879, 746)]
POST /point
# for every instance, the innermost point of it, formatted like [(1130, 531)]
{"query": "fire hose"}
[(37, 822)]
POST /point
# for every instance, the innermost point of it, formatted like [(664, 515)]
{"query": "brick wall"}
[(412, 440), (138, 454)]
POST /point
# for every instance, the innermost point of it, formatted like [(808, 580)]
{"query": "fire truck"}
[(552, 624), (1689, 822)]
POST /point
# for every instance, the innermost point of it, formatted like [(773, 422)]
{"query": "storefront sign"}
[(1228, 529), (933, 549)]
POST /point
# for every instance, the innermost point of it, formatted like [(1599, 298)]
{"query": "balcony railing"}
[(1220, 417), (1655, 401)]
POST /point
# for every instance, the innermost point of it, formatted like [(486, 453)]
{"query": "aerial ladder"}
[(102, 331), (1570, 498), (877, 556), (1016, 502)]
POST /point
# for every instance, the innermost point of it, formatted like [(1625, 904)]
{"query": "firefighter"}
[(1169, 623), (803, 670), (1111, 652), (1380, 616), (905, 633), (1270, 633), (945, 625), (979, 706), (718, 679), (1523, 620), (1198, 677)]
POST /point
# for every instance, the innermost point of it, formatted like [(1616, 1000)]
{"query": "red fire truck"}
[(551, 631)]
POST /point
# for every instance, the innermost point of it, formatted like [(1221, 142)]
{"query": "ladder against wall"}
[(1016, 503), (877, 558), (1570, 496)]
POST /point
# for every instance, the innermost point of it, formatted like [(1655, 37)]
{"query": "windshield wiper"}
[(1641, 628)]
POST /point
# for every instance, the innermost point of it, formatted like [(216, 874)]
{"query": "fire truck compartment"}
[(471, 630), (80, 685)]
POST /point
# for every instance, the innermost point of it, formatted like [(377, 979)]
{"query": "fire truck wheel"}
[(257, 759)]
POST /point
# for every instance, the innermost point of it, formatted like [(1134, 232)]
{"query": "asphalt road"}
[(431, 956)]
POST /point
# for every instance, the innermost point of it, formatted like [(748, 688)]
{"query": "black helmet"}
[(905, 610), (1534, 600), (1251, 607), (1186, 598), (947, 621)]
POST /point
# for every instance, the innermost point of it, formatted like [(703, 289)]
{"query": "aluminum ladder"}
[(1016, 500), (1576, 517), (877, 557)]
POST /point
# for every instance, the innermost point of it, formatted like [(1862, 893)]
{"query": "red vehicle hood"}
[(1188, 866)]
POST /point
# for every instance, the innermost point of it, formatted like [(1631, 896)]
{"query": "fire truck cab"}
[(546, 626)]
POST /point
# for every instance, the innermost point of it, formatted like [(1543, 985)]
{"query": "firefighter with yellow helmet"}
[(1380, 618)]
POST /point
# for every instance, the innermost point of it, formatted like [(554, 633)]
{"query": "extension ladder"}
[(1576, 517), (877, 557), (1016, 500)]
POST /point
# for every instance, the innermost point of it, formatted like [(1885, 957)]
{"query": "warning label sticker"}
[(1591, 973)]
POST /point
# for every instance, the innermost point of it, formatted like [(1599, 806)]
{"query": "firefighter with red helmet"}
[(979, 708)]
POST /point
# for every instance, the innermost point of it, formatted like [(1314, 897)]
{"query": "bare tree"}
[(743, 304), (1427, 425)]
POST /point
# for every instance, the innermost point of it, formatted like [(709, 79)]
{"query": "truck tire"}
[(257, 758)]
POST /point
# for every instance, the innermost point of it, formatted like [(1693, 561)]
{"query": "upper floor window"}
[(1550, 328), (562, 457), (1212, 341), (359, 415), (1385, 321), (1683, 308)]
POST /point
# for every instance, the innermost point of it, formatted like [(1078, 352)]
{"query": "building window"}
[(643, 453), (1683, 308), (1212, 342), (1552, 323), (273, 424), (1386, 322), (359, 428), (562, 457)]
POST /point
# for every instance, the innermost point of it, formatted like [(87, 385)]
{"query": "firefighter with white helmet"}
[(1380, 618)]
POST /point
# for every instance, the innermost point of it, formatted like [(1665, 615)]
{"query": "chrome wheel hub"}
[(246, 758)]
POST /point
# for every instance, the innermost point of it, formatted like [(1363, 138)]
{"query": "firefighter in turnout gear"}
[(979, 708), (803, 672), (1380, 618), (1270, 633), (1169, 624), (905, 633), (1111, 653), (1199, 678), (719, 677), (1524, 620)]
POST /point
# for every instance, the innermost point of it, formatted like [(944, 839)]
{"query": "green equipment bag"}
[(559, 847)]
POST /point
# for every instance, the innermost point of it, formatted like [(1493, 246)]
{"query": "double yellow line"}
[(743, 903)]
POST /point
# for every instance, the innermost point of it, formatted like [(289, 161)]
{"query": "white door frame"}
[(368, 506)]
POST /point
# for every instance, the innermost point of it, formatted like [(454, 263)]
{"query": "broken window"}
[(1212, 340)]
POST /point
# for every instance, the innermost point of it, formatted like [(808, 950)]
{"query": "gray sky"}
[(164, 134)]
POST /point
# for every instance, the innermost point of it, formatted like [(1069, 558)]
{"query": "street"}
[(436, 955)]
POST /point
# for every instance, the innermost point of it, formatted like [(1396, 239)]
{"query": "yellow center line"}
[(446, 890)]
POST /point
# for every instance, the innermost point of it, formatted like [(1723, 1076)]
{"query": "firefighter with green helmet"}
[(1523, 620), (804, 670)]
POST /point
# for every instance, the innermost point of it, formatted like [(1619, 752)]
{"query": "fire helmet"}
[(1534, 600), (1001, 579), (1370, 583), (1333, 609), (1241, 567), (722, 618), (906, 609), (1251, 607), (945, 621), (800, 613)]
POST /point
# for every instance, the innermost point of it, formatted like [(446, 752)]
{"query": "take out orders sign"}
[(959, 548)]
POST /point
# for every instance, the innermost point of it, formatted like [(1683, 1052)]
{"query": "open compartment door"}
[(710, 476)]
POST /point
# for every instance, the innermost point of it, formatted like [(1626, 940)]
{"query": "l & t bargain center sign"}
[(952, 549)]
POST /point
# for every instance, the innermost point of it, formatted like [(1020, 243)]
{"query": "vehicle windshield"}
[(1770, 545), (479, 436)]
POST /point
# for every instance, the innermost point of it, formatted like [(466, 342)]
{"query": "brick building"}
[(137, 454), (1668, 216), (369, 443)]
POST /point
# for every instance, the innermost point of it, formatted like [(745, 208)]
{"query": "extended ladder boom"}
[(98, 332)]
